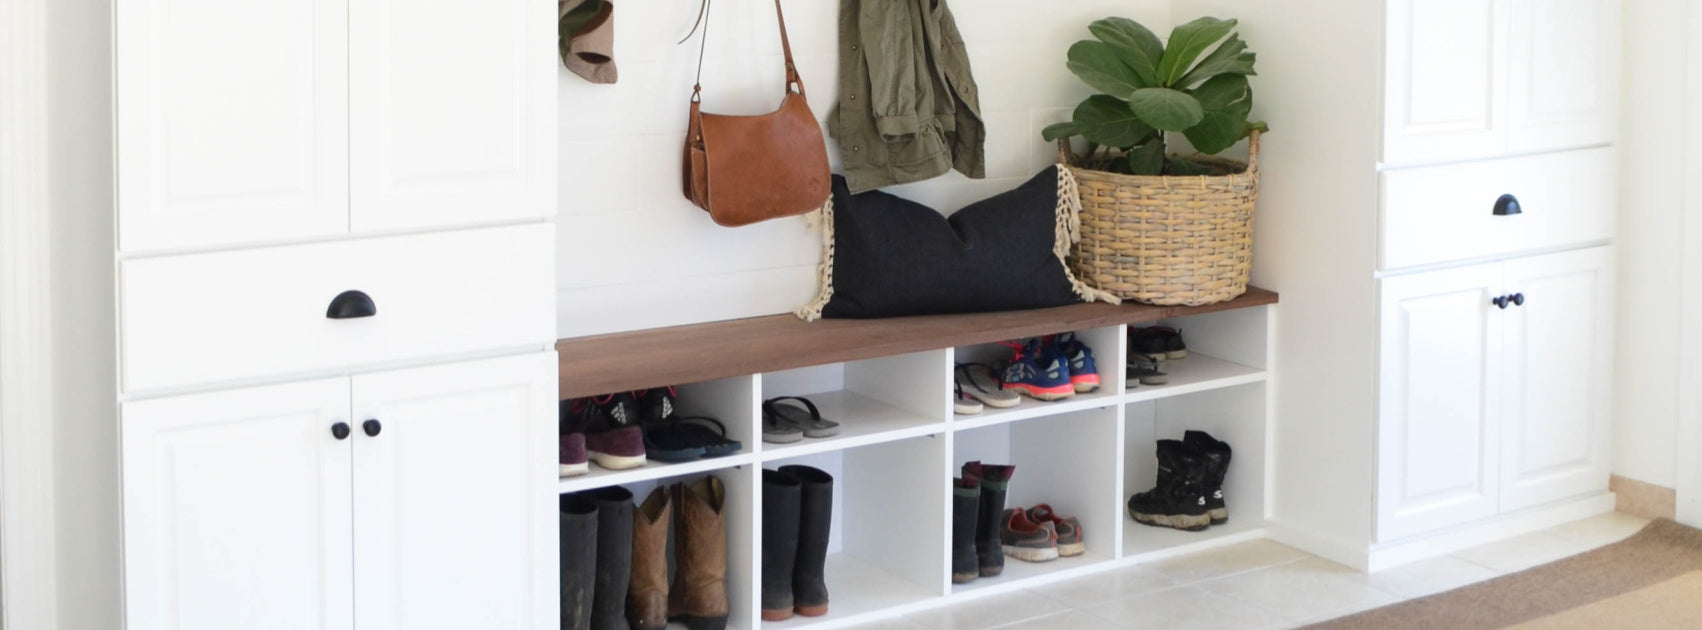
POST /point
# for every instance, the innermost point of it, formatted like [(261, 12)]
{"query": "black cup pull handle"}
[(1507, 206), (1500, 302), (351, 305), (1518, 299), (340, 430), (371, 427)]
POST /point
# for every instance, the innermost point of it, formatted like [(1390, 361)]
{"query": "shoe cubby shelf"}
[(888, 383)]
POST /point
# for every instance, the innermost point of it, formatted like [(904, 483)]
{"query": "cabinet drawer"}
[(1444, 213), (237, 315)]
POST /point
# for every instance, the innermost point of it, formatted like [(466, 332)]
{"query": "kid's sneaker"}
[(1084, 374), (1037, 373)]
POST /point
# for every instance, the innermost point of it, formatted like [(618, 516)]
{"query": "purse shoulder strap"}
[(793, 80)]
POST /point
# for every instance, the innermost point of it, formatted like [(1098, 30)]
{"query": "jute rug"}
[(1650, 581)]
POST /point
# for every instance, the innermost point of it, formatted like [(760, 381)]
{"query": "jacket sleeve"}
[(890, 34)]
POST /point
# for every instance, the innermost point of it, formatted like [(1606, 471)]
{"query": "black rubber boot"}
[(578, 561), (1217, 455), (781, 495), (1178, 499), (994, 482), (815, 518), (965, 503), (614, 557)]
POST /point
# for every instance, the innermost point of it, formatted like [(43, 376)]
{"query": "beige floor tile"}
[(1104, 587), (1229, 560), (1187, 607), (988, 612), (1524, 552), (895, 623), (1068, 620), (1426, 577), (1309, 589), (1602, 530)]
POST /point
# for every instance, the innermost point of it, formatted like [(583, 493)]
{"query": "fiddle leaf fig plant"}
[(1150, 88)]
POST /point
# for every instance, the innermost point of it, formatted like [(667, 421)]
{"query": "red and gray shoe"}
[(1027, 540), (1068, 529), (611, 427)]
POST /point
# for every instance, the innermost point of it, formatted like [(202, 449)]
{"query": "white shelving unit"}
[(900, 445)]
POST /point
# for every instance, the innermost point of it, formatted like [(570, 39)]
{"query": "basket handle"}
[(1064, 151)]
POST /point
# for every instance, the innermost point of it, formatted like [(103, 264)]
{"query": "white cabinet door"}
[(1565, 68), (452, 111), (237, 510), (1558, 375), (1438, 420), (455, 517), (1445, 80), (232, 121)]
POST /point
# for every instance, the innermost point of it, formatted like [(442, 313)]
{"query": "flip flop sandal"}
[(961, 403), (982, 382), (1143, 370), (709, 433), (686, 439), (806, 418)]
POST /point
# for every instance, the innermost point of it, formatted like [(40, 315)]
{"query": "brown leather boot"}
[(647, 597), (699, 596)]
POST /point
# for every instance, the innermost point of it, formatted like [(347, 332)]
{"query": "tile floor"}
[(1255, 585)]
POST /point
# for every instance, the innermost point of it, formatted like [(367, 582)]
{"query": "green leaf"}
[(1230, 58), (1184, 166), (1147, 159), (1058, 130), (1166, 109), (1186, 44), (1138, 47), (1226, 100), (1098, 65), (1108, 121)]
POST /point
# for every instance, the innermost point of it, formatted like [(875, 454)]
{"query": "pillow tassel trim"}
[(1068, 216), (821, 218)]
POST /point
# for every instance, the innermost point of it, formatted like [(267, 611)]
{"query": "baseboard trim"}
[(1641, 498), (1397, 553), (1351, 556)]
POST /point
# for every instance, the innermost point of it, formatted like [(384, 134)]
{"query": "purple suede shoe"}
[(612, 435), (571, 455)]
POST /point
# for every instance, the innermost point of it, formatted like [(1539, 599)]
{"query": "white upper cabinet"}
[(232, 121), (1565, 69), (1446, 66), (452, 118), (1558, 373)]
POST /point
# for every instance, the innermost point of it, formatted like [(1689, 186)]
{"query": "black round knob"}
[(340, 430), (1500, 302), (371, 427), (351, 305), (1518, 299), (1507, 205)]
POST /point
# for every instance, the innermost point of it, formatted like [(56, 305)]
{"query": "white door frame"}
[(28, 578), (1690, 288)]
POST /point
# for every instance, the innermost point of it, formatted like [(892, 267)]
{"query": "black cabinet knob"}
[(351, 305), (371, 427), (1500, 302), (1518, 299), (340, 430), (1507, 205)]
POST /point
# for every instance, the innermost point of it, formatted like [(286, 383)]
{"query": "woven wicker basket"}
[(1176, 239)]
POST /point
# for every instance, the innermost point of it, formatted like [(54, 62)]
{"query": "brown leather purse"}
[(745, 169)]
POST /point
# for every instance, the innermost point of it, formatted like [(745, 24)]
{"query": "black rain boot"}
[(965, 502), (995, 482), (1217, 466), (614, 557), (782, 493), (815, 519), (1178, 498), (578, 561)]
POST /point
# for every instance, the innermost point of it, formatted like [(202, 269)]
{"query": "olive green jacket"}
[(908, 108)]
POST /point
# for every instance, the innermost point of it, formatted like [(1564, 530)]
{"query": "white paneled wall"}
[(634, 253)]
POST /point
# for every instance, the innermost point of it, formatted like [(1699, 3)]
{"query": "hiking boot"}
[(610, 423), (965, 502), (614, 557), (1178, 499), (815, 519), (994, 482), (781, 495), (578, 560), (1068, 530), (1027, 540), (1036, 373), (698, 598), (647, 597), (1084, 373), (1217, 466)]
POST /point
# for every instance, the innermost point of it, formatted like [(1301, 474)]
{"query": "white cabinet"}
[(245, 509), (1494, 389), (1469, 79), (1558, 373), (232, 121), (248, 122), (1439, 431)]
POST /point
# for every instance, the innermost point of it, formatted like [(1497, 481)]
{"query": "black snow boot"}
[(1178, 499), (614, 557), (781, 495), (1217, 465), (815, 519), (994, 482), (965, 504), (578, 561)]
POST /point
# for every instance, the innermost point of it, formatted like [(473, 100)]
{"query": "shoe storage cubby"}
[(888, 383)]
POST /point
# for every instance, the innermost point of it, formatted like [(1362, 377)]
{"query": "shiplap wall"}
[(635, 254)]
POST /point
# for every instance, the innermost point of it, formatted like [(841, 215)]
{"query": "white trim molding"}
[(1690, 286), (28, 577)]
